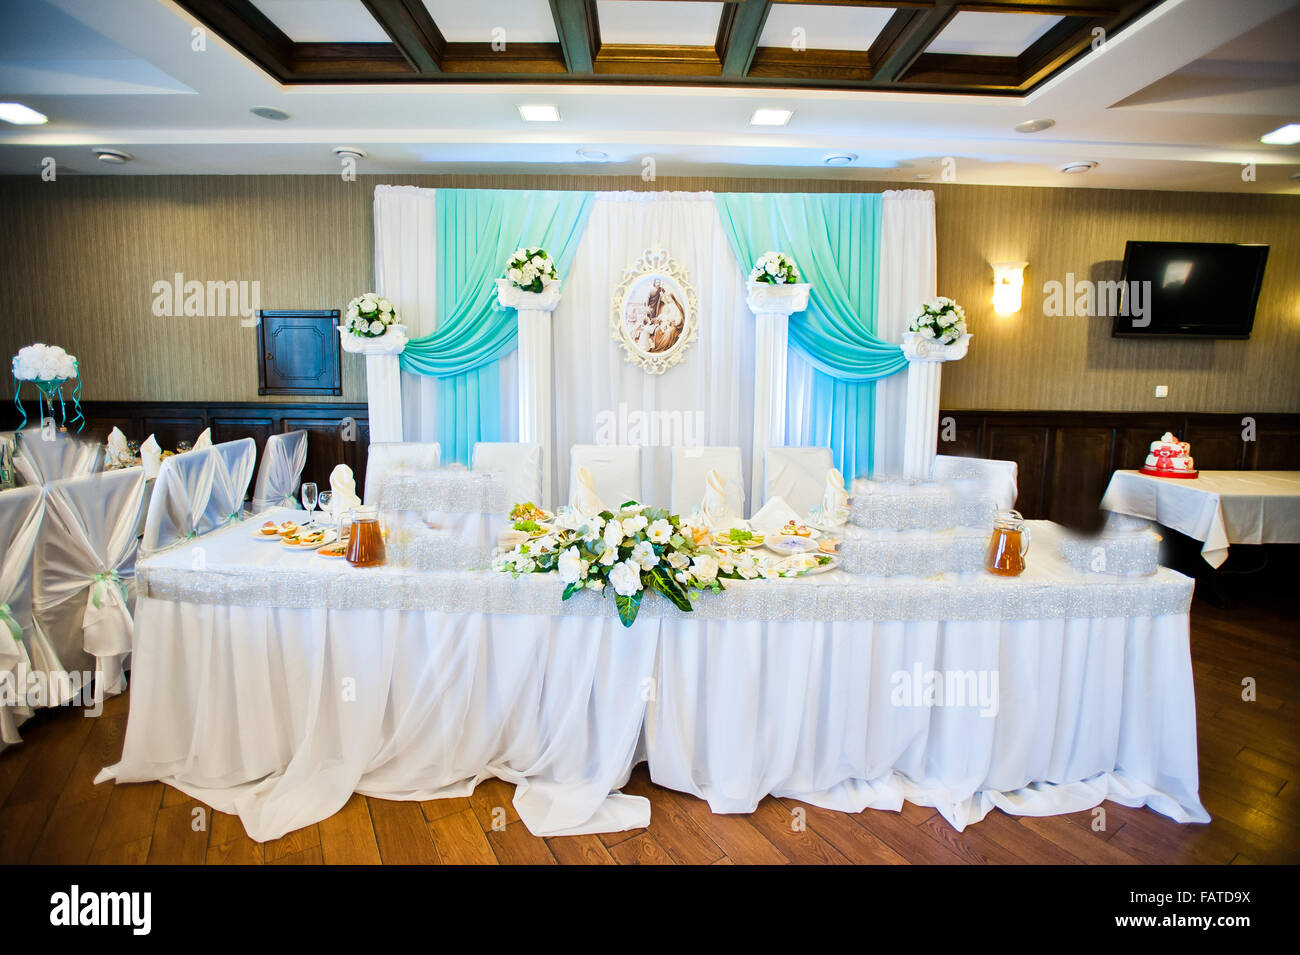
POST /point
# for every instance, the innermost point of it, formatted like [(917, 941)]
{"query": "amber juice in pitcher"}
[(366, 539), (1008, 545)]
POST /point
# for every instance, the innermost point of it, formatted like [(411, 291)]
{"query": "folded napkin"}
[(343, 490), (150, 457), (835, 501), (583, 497), (117, 452), (773, 516), (721, 507), (204, 440)]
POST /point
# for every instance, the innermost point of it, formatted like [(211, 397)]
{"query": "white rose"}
[(704, 567), (514, 275), (352, 312), (660, 531), (571, 566), (929, 332), (679, 561), (626, 578), (633, 524), (376, 328), (644, 555), (771, 268), (613, 533), (385, 305)]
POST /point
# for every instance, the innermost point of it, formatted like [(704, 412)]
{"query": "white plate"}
[(329, 538), (787, 545), (329, 556), (795, 560)]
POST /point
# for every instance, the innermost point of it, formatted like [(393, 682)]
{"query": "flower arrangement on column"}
[(531, 270), (49, 368), (941, 320), (369, 315), (774, 268)]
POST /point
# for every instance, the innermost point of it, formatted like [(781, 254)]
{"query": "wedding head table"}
[(274, 684)]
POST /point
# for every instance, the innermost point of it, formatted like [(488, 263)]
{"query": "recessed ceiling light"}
[(107, 154), (269, 112), (1034, 125), (354, 152), (539, 113), (1074, 168), (840, 159), (1287, 135), (593, 155), (21, 115), (770, 117)]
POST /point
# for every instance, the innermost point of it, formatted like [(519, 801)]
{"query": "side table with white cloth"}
[(811, 688), (1219, 508)]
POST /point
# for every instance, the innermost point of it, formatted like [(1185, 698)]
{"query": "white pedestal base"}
[(772, 306), (535, 411), (383, 379), (925, 362)]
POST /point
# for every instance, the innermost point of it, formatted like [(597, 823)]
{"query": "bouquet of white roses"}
[(531, 270), (47, 366), (940, 319), (774, 268), (369, 316), (632, 550)]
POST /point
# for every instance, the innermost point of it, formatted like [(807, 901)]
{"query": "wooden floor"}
[(50, 812)]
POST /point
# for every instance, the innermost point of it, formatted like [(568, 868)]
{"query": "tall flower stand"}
[(772, 306), (383, 379), (534, 310), (925, 358)]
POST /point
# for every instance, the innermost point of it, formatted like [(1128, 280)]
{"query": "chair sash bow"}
[(99, 588), (8, 620)]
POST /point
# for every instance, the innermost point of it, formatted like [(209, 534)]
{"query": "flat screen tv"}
[(1197, 289)]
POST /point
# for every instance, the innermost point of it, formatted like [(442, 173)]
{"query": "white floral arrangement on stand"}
[(632, 550), (774, 268), (369, 316), (48, 367), (941, 320), (532, 270)]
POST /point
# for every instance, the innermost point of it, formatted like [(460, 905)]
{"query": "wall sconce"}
[(1008, 281)]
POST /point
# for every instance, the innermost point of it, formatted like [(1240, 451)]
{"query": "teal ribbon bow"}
[(233, 518), (7, 618), (99, 588)]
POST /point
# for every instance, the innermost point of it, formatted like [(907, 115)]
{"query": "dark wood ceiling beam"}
[(248, 30), (412, 30), (738, 32), (905, 37), (1050, 8), (578, 27)]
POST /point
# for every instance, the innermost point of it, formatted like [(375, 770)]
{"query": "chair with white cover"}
[(283, 458), (384, 456), (230, 483), (21, 511), (796, 475), (615, 471), (85, 591), (179, 503), (691, 467), (521, 464), (40, 459), (998, 477)]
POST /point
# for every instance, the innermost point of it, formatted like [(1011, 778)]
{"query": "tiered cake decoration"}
[(1170, 457)]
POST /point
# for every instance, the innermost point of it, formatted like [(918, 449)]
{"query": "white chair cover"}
[(230, 484), (615, 470), (999, 477), (283, 458), (21, 510), (692, 465), (85, 591), (383, 456), (198, 492), (796, 474), (40, 461), (521, 463)]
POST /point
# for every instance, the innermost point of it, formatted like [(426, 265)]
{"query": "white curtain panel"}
[(691, 467), (21, 511), (521, 464), (406, 273), (39, 461), (85, 590), (706, 399), (283, 458)]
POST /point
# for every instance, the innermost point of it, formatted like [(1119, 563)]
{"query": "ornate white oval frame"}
[(655, 263)]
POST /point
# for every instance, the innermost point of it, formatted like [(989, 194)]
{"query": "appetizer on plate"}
[(287, 528), (828, 545), (800, 565), (530, 527), (738, 537), (335, 550), (795, 529), (270, 529), (528, 511)]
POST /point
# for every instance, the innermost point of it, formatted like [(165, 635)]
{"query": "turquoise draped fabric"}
[(834, 240), (477, 231)]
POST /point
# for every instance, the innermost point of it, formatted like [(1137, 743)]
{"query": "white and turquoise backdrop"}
[(869, 258)]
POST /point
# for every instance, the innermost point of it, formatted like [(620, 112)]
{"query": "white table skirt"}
[(279, 714), (1218, 507)]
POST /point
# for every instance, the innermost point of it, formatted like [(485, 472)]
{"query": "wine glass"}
[(324, 498), (309, 498)]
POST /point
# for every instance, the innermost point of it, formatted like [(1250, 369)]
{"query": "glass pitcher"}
[(1008, 545), (366, 538)]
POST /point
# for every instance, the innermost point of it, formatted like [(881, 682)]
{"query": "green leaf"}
[(628, 607), (573, 588), (664, 582)]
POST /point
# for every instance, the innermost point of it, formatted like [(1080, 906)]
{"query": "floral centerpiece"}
[(531, 270), (631, 550), (774, 268), (940, 319), (369, 315), (49, 368)]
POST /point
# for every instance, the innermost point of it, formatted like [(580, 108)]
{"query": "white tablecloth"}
[(276, 684), (1218, 507)]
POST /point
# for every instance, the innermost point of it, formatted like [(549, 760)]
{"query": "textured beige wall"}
[(81, 256)]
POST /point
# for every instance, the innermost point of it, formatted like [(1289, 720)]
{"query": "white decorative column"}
[(925, 359), (534, 310), (772, 306), (383, 379)]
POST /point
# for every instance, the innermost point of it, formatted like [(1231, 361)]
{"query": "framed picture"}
[(653, 313)]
